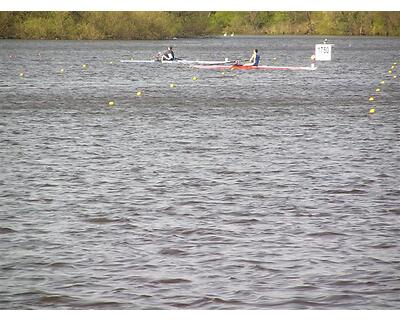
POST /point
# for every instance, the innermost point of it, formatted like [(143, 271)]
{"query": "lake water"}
[(238, 190)]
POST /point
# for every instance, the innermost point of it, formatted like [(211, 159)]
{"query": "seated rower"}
[(255, 59), (158, 56), (168, 55)]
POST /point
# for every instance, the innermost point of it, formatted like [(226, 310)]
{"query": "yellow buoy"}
[(62, 70), (371, 99), (390, 71), (111, 62), (394, 77), (111, 103), (22, 75), (378, 90), (372, 110), (392, 67), (172, 85), (194, 78), (395, 63), (139, 93), (84, 66), (382, 82)]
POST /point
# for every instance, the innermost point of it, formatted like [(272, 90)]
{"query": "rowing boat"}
[(138, 61), (241, 67), (190, 62)]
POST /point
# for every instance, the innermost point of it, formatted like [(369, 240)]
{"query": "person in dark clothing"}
[(168, 55)]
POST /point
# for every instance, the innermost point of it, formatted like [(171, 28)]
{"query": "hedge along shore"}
[(165, 25)]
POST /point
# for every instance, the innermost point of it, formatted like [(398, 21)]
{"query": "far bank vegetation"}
[(165, 25)]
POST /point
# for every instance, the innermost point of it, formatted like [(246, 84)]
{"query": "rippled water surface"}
[(242, 190)]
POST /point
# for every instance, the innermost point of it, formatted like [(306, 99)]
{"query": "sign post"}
[(323, 52)]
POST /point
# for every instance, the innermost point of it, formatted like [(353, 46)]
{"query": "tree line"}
[(165, 25)]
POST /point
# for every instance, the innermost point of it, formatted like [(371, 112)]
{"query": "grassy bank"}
[(164, 25)]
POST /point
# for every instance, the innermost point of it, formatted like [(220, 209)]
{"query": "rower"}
[(313, 59), (168, 55), (255, 59)]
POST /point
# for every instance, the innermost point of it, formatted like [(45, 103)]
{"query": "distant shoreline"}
[(160, 25), (213, 37)]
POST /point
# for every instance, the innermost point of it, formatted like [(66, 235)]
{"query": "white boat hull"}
[(190, 62)]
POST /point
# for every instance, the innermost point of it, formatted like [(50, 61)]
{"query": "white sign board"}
[(323, 52)]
